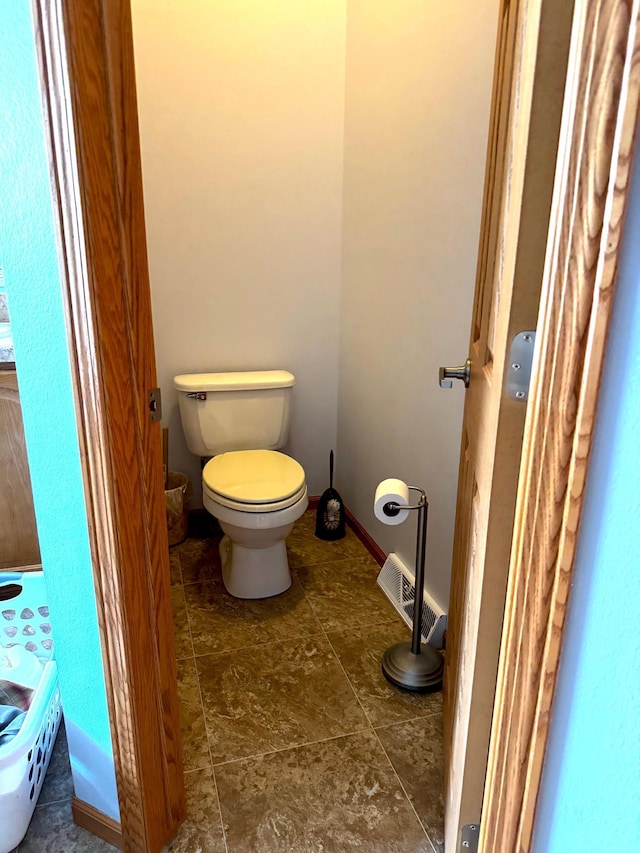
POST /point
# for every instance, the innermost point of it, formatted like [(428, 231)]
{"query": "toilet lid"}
[(253, 476)]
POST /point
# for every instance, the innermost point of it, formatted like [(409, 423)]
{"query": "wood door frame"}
[(592, 181), (85, 55), (596, 141)]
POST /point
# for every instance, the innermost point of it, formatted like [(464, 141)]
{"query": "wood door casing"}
[(532, 49), (592, 183), (86, 66), (118, 36)]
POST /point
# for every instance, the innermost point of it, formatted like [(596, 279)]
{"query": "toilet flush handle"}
[(197, 395)]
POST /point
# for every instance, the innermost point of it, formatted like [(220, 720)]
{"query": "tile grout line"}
[(215, 785), (186, 607), (288, 748), (40, 805), (377, 737), (353, 690), (404, 790), (373, 729), (258, 645), (211, 764), (321, 632), (337, 657), (206, 728), (437, 712)]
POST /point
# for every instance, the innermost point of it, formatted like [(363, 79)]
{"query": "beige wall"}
[(241, 108), (260, 251), (418, 84)]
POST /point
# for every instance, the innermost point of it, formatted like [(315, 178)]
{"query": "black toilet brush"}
[(330, 511)]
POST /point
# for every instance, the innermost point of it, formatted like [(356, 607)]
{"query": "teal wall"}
[(590, 796), (29, 260)]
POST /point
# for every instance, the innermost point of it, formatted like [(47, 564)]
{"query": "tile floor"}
[(52, 829), (293, 740)]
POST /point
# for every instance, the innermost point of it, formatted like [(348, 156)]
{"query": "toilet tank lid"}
[(238, 381)]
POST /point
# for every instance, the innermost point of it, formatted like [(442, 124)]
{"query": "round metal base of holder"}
[(421, 673)]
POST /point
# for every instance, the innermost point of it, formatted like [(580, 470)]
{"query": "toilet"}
[(239, 421)]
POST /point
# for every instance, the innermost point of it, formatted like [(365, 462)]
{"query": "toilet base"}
[(254, 572)]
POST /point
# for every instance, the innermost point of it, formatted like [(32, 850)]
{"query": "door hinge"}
[(520, 361), (155, 405), (470, 836)]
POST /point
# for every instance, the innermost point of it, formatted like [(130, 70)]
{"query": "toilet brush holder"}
[(413, 666)]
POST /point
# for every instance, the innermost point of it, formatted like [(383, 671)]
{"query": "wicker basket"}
[(177, 511)]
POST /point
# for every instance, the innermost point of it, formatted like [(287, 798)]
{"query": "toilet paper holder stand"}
[(412, 666)]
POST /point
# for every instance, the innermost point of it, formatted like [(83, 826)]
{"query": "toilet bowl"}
[(256, 495), (240, 421)]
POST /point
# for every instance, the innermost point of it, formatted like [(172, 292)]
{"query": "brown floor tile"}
[(199, 559), (415, 750), (202, 829), (360, 653), (181, 634), (345, 594), (219, 622), (305, 549), (175, 571), (334, 797), (195, 748), (275, 696)]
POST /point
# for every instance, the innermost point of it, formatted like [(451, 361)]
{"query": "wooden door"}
[(89, 96), (529, 75)]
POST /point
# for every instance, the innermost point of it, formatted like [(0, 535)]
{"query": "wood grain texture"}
[(532, 49), (18, 533), (10, 567), (118, 35), (9, 385), (592, 179), (97, 823), (86, 63)]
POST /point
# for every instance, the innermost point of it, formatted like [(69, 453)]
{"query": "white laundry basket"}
[(24, 760)]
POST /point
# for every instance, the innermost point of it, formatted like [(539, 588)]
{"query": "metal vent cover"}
[(398, 583)]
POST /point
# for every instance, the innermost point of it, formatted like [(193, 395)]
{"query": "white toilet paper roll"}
[(391, 491)]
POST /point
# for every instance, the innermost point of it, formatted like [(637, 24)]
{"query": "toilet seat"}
[(254, 480)]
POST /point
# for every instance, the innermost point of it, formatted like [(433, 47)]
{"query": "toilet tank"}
[(235, 411)]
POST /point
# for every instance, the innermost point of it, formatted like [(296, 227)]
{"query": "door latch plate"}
[(155, 405), (520, 361)]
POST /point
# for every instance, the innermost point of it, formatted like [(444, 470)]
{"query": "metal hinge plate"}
[(520, 361), (155, 405), (470, 836)]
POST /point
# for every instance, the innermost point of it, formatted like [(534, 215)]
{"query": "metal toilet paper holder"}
[(412, 666)]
